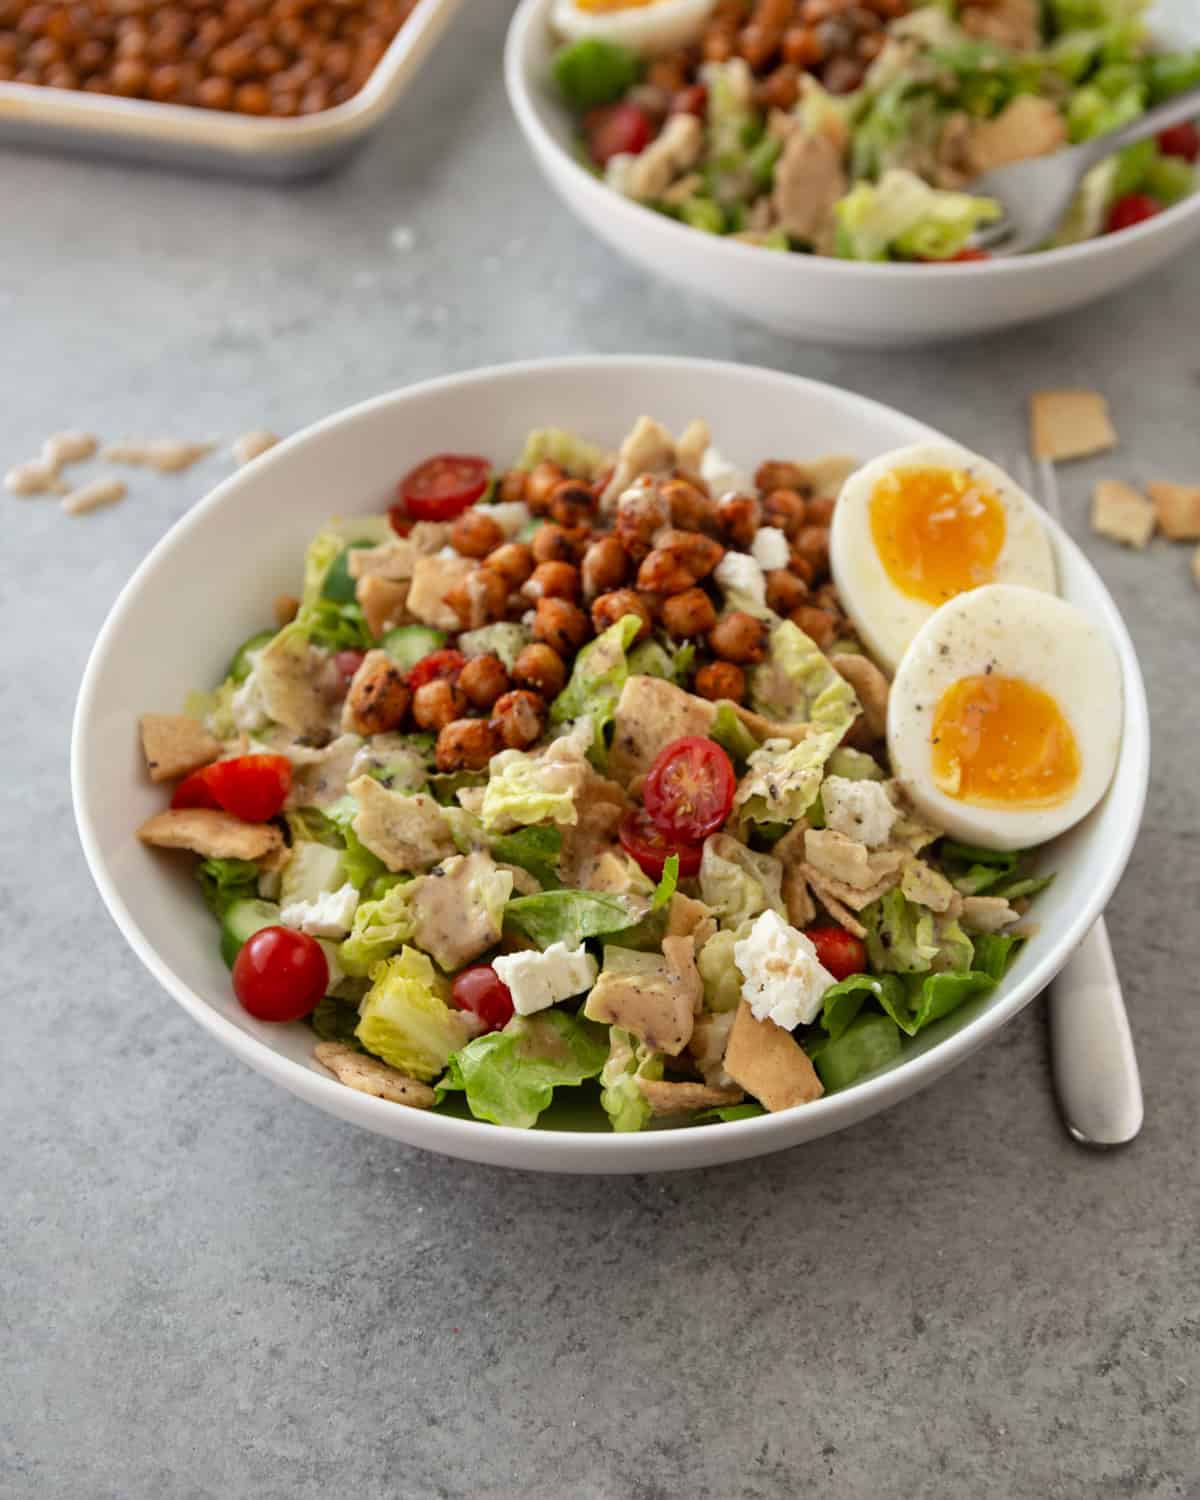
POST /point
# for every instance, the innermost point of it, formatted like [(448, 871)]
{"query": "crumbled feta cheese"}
[(770, 549), (738, 573), (862, 810), (538, 980), (247, 708), (782, 978), (722, 477), (329, 915), (509, 515)]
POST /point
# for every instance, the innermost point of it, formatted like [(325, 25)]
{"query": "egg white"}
[(885, 618), (1014, 632), (662, 26)]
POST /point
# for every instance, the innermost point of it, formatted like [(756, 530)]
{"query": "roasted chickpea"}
[(689, 613), (779, 474), (483, 680), (519, 718), (540, 484), (820, 511), (801, 567), (739, 637), (552, 580), (609, 608), (438, 703), (641, 513), (541, 669), (698, 553), (480, 599), (663, 572), (561, 624), (552, 543), (475, 534), (513, 562), (739, 517), (691, 509), (377, 698), (816, 623), (785, 592), (720, 679), (827, 597), (572, 504), (786, 509), (512, 485), (802, 46), (781, 88), (466, 745), (604, 567), (812, 543), (285, 609)]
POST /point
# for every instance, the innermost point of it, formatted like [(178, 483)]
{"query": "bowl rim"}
[(519, 84), (595, 1150)]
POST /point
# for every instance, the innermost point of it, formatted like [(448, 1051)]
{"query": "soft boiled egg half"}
[(921, 525), (1004, 719), (644, 26)]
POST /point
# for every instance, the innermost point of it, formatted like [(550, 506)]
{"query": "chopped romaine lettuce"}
[(601, 670), (380, 927), (566, 916), (505, 639), (868, 1043), (628, 1060), (653, 659), (532, 849), (854, 765), (900, 935), (523, 789), (731, 733), (903, 215), (405, 1018), (224, 881), (797, 684), (841, 1002), (580, 459), (336, 1021), (737, 883), (313, 869), (718, 972), (510, 1076), (726, 1114)]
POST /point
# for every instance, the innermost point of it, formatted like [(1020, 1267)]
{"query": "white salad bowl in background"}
[(210, 582), (819, 297)]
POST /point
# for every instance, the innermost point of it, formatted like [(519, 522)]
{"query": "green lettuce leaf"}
[(867, 1043), (718, 972), (532, 849), (854, 765), (994, 952), (841, 1002), (654, 659), (731, 733), (581, 459), (601, 670), (336, 1021), (628, 1060), (567, 916), (738, 883), (224, 881), (380, 927), (405, 1018), (903, 215), (726, 1114), (509, 1076), (796, 684), (900, 935), (525, 789)]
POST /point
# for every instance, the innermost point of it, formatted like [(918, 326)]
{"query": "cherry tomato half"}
[(652, 848), (280, 975), (838, 950), (442, 487), (251, 787), (482, 991), (1133, 208), (1180, 140), (446, 663), (689, 789), (614, 129)]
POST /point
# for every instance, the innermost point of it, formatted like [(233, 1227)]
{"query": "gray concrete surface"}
[(209, 1291)]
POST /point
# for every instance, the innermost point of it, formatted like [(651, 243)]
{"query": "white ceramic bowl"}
[(818, 297), (208, 584)]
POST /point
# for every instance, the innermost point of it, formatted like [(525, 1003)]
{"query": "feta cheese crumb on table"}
[(782, 978), (329, 915), (537, 981), (862, 810), (770, 549), (739, 573)]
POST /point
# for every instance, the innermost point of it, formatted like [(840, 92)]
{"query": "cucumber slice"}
[(409, 644), (338, 585), (239, 667), (242, 920)]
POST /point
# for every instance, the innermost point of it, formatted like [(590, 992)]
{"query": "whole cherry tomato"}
[(280, 975), (615, 130), (1133, 208), (1180, 140)]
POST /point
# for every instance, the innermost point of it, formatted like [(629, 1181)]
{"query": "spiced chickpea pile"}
[(255, 57), (652, 555)]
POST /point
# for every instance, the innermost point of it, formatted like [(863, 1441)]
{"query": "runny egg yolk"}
[(1002, 742), (938, 532)]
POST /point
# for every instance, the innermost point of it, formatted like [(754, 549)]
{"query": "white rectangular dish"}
[(220, 140)]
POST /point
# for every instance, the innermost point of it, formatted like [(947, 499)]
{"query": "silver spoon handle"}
[(1175, 111), (1095, 1066)]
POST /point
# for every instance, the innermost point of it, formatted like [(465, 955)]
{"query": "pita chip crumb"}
[(1122, 513), (216, 835), (175, 744), (1070, 424), (1178, 509), (370, 1076)]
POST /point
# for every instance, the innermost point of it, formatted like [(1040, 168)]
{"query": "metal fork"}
[(1036, 194), (1091, 1048)]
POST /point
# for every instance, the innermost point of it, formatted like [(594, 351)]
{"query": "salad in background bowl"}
[(516, 908), (846, 146)]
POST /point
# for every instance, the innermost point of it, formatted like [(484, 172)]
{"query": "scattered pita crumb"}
[(285, 609), (370, 1076), (1070, 424), (91, 496), (68, 448), (175, 744), (1122, 513), (35, 477), (665, 1098), (1178, 509), (251, 445), (217, 835), (167, 455)]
